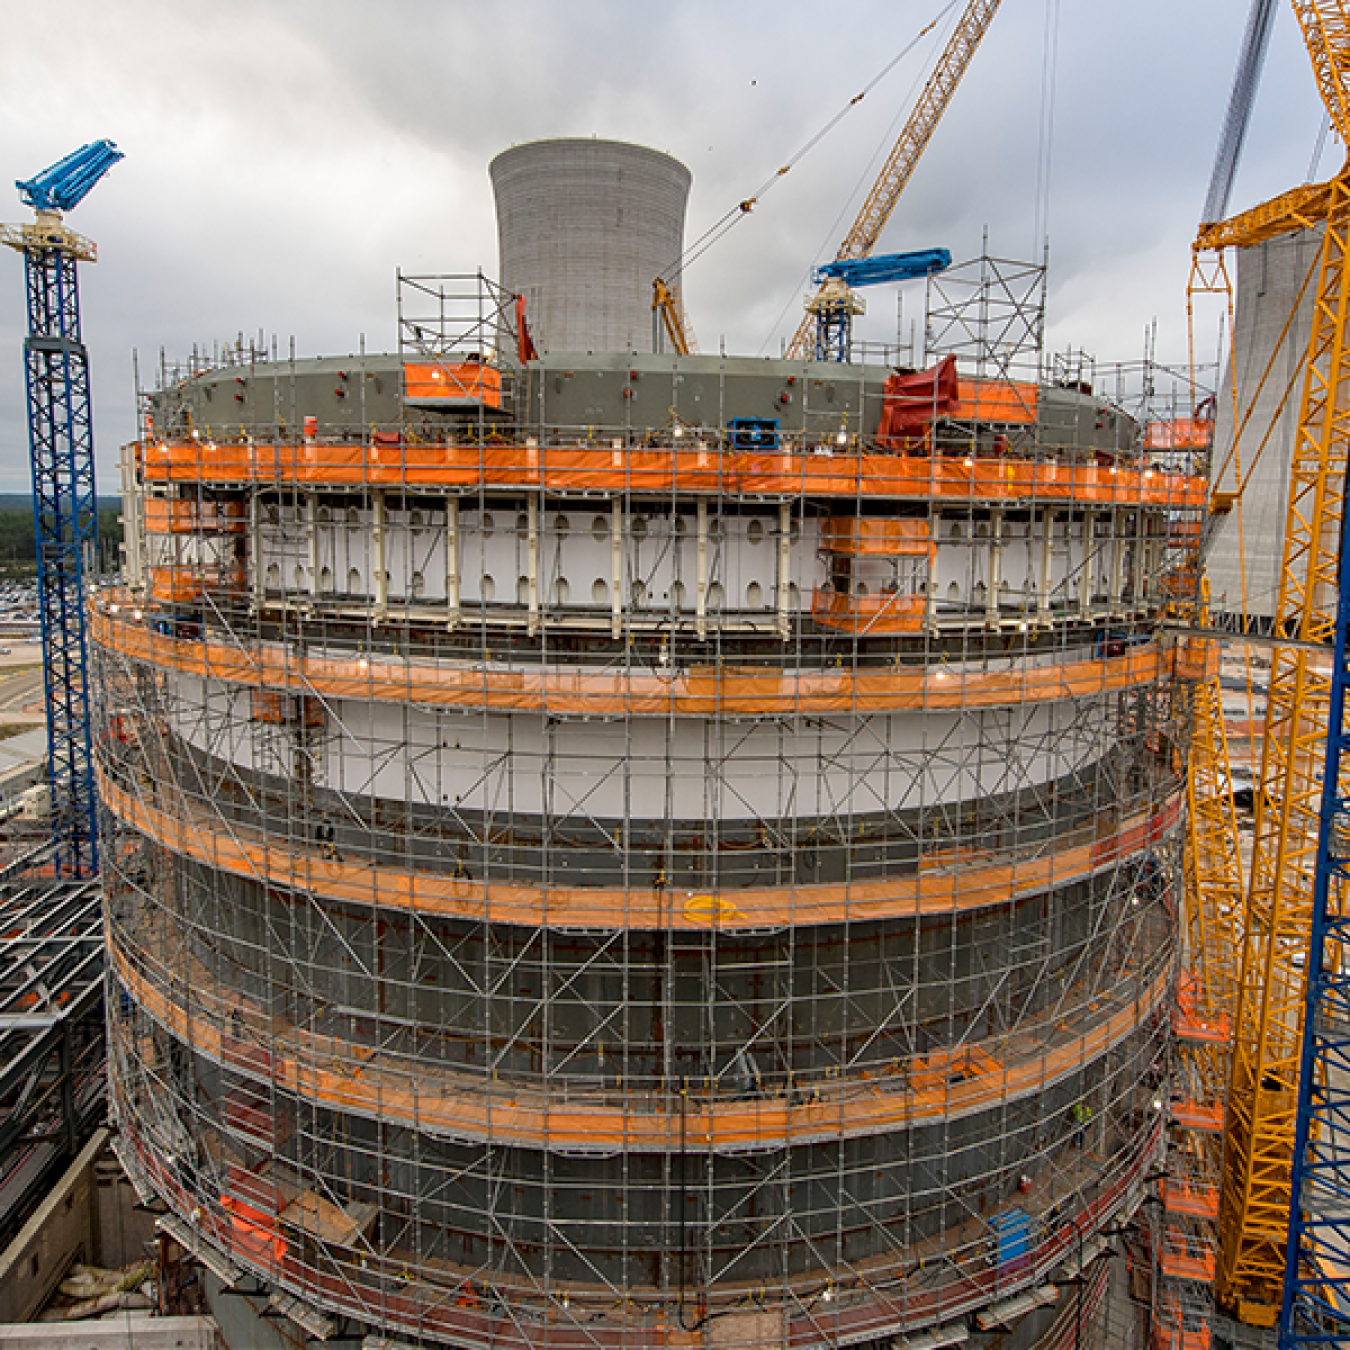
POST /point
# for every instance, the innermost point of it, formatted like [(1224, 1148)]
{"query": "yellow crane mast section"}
[(908, 148), (1212, 863), (674, 322)]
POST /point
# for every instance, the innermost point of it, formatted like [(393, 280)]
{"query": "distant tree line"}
[(18, 539)]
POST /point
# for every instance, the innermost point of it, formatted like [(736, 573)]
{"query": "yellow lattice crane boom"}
[(673, 322), (1255, 1195), (908, 149)]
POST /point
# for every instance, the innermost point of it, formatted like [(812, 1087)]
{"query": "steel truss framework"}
[(647, 1108), (990, 314), (51, 1030), (65, 514), (1315, 1310)]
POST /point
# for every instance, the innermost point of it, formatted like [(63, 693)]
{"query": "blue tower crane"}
[(835, 304), (65, 507)]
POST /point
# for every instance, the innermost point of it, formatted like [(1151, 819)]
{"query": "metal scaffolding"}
[(590, 883)]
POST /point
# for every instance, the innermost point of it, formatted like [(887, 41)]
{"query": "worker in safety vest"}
[(1081, 1115)]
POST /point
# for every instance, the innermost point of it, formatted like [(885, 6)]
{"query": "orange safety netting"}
[(711, 470), (347, 1076), (700, 691), (938, 887), (884, 535)]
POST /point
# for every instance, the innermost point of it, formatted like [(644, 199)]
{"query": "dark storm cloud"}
[(284, 158)]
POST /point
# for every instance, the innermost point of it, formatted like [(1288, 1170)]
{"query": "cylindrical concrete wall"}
[(584, 227)]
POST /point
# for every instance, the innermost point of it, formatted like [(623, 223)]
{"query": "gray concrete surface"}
[(131, 1331), (583, 228), (1268, 280)]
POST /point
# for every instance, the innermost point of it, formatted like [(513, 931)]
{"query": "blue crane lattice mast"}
[(1316, 1304), (65, 508)]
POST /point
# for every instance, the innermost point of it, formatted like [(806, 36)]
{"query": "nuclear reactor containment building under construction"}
[(617, 849)]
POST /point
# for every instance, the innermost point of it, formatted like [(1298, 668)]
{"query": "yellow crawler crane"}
[(1255, 1196)]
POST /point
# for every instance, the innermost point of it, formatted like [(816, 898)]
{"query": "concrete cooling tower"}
[(1267, 367), (584, 226)]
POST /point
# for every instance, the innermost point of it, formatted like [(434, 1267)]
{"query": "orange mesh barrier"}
[(170, 515), (937, 888), (869, 613), (701, 691), (452, 382), (996, 401), (565, 467), (878, 535), (351, 1077), (184, 583)]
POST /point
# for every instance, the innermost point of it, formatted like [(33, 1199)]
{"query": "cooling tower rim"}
[(600, 143)]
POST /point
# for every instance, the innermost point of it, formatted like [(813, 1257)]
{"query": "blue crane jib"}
[(64, 185), (885, 267)]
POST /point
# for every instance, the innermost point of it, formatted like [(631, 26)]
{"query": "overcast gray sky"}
[(284, 157)]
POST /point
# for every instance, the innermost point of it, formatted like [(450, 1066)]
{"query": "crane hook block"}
[(66, 183)]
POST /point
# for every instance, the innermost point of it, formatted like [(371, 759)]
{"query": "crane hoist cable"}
[(909, 147), (666, 286)]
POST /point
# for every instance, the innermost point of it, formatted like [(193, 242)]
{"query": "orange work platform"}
[(562, 468), (352, 1077), (1196, 1201), (1204, 1116), (938, 888), (700, 691), (1184, 1265), (1192, 1021)]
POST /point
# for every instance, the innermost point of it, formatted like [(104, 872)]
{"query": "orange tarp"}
[(452, 382), (183, 583), (877, 535), (937, 888), (710, 470), (348, 1076), (700, 691), (171, 515), (869, 613), (996, 401)]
